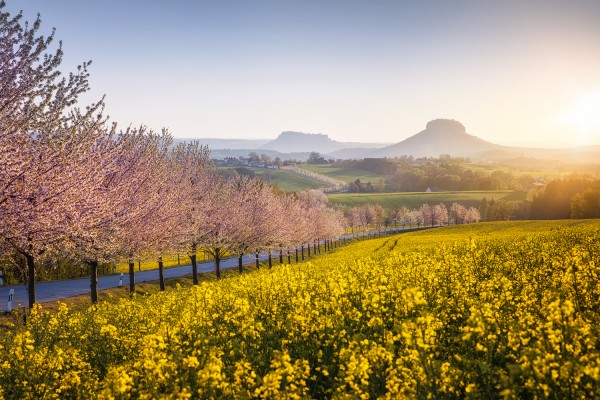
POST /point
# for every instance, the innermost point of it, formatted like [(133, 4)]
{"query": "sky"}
[(513, 72)]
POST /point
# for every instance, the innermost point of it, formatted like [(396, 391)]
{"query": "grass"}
[(346, 174), (413, 200), (284, 180), (549, 173)]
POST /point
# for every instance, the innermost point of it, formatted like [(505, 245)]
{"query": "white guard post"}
[(11, 293), (121, 280)]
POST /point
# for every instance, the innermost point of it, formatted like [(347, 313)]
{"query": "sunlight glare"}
[(585, 116)]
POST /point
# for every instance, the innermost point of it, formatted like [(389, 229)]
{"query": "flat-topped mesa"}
[(446, 125), (293, 134), (303, 142)]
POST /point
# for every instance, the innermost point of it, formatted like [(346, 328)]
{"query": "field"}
[(490, 310), (413, 200), (345, 174), (286, 181)]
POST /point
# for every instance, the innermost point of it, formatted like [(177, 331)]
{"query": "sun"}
[(584, 116)]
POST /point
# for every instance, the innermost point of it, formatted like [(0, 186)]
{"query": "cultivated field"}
[(284, 180), (483, 311), (346, 174), (413, 200)]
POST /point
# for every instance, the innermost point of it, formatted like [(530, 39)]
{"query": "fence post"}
[(11, 293)]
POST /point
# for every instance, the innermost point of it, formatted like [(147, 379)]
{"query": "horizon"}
[(513, 74)]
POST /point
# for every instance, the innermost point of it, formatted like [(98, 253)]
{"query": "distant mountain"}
[(300, 142), (441, 136)]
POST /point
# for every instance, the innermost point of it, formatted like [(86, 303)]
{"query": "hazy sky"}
[(512, 71)]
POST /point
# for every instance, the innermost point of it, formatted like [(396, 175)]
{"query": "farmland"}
[(389, 201), (345, 174), (286, 181), (485, 310)]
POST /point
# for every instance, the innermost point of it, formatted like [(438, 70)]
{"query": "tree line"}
[(573, 196), (406, 174), (73, 185)]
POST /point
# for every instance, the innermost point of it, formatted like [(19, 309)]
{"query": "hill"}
[(441, 136), (301, 142)]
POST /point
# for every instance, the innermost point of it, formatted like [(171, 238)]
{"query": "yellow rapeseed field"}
[(484, 311)]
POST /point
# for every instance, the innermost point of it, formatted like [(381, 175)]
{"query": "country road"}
[(56, 290)]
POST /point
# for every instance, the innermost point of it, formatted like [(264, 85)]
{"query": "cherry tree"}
[(440, 212), (456, 213), (257, 217), (43, 137), (415, 217), (220, 215), (146, 179), (398, 215), (375, 215), (192, 175), (472, 216)]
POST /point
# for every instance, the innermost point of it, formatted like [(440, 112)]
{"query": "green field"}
[(284, 180), (550, 173), (413, 200), (346, 174)]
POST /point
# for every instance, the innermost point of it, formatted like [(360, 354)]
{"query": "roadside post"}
[(11, 293), (121, 280)]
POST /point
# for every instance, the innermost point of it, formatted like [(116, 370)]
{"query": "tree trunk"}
[(218, 262), (257, 260), (94, 281), (30, 279), (194, 265), (302, 250), (289, 257), (240, 263), (296, 255), (280, 256), (270, 261), (308, 248), (161, 277), (131, 277)]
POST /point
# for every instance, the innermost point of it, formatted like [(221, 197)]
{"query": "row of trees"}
[(361, 218), (405, 174), (74, 186)]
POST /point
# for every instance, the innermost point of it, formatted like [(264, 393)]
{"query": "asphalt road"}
[(56, 290)]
